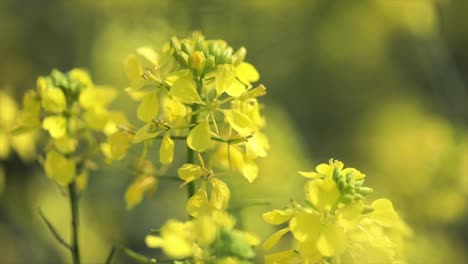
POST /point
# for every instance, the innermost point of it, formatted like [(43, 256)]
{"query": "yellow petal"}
[(273, 239), (97, 97), (119, 143), (236, 89), (220, 194), (149, 54), (284, 257), (257, 146), (199, 137), (305, 226), (59, 168), (247, 72), (29, 117), (311, 174), (148, 108), (225, 76), (205, 230), (185, 91), (154, 241), (174, 108), (96, 118), (177, 242), (322, 193), (135, 192), (8, 109), (133, 68), (277, 217), (80, 75), (56, 125), (250, 170), (190, 172), (198, 203), (357, 175), (65, 144), (383, 213), (239, 122), (332, 241), (143, 133), (25, 145), (166, 152), (53, 100)]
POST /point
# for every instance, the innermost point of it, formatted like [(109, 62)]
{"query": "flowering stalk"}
[(199, 91), (74, 246), (71, 112), (191, 152)]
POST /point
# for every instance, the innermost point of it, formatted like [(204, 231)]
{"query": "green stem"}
[(75, 249), (137, 256), (54, 231), (190, 152)]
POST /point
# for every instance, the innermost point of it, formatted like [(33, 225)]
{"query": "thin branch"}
[(54, 231), (137, 256), (111, 254)]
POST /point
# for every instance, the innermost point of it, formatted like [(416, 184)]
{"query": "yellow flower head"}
[(208, 237), (336, 221)]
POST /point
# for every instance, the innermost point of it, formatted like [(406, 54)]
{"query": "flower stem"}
[(74, 246), (191, 152)]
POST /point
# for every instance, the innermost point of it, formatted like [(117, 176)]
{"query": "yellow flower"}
[(23, 144), (56, 125), (239, 122), (59, 168), (185, 91), (53, 99), (175, 239), (337, 225), (220, 194), (117, 145), (148, 109), (135, 192)]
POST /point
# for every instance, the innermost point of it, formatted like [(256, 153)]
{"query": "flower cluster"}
[(199, 92), (23, 144), (208, 239), (73, 112), (336, 226)]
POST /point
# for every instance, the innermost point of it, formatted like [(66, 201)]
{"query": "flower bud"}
[(197, 61), (210, 63), (239, 56), (182, 58), (255, 92), (187, 48), (175, 44)]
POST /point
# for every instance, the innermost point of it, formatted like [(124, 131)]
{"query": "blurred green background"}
[(378, 84)]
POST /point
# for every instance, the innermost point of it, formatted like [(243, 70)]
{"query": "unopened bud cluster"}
[(202, 56)]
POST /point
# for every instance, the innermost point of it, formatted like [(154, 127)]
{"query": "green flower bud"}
[(210, 63), (364, 191), (255, 92), (239, 56), (347, 198), (336, 175), (175, 44), (182, 58), (186, 47)]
